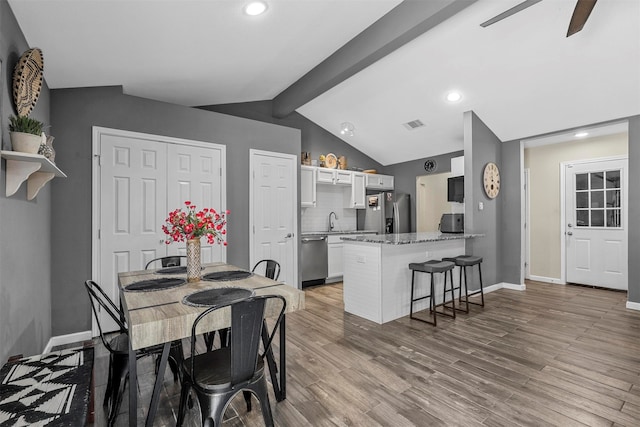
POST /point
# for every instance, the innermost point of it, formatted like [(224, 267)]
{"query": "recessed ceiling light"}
[(454, 96), (255, 8), (581, 134)]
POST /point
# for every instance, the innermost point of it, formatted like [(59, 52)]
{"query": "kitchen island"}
[(377, 279)]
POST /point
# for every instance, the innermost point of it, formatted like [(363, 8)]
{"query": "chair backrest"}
[(247, 324), (271, 269), (99, 298), (167, 261)]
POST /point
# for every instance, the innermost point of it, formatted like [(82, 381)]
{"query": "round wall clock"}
[(491, 180), (430, 165)]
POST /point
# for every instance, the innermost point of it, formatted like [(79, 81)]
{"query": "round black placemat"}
[(173, 270), (218, 296), (223, 276), (155, 284)]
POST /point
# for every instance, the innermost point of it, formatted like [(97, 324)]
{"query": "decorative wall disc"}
[(27, 81)]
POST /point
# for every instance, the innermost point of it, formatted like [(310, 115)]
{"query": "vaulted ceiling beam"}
[(405, 22)]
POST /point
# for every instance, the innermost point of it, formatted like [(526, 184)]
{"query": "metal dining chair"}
[(167, 261), (271, 269), (217, 376), (118, 348)]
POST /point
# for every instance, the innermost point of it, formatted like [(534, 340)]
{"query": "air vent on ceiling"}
[(413, 124)]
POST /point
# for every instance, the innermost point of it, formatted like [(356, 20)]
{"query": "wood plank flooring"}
[(551, 355)]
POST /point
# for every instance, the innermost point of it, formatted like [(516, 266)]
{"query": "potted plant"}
[(26, 134)]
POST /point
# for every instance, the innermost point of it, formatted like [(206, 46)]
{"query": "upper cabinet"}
[(307, 186), (379, 182), (358, 192), (333, 176)]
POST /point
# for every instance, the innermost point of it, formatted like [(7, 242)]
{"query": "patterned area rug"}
[(50, 389)]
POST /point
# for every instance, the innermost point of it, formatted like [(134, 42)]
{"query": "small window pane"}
[(613, 218), (597, 218), (613, 179), (597, 199), (613, 198), (582, 199), (582, 218), (582, 181), (597, 181)]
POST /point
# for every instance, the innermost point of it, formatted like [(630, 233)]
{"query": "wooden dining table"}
[(159, 317)]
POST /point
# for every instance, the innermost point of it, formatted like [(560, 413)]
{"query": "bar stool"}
[(432, 267), (464, 261)]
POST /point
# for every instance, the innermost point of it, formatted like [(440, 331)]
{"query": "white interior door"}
[(132, 208), (273, 211), (596, 223), (195, 174)]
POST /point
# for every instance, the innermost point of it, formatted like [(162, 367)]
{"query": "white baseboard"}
[(492, 288), (66, 339), (633, 305), (547, 280), (513, 286)]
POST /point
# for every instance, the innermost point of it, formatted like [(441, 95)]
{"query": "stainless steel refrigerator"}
[(387, 212)]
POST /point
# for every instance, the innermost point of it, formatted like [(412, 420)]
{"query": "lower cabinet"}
[(334, 257)]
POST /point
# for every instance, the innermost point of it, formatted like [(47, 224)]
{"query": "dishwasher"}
[(314, 260)]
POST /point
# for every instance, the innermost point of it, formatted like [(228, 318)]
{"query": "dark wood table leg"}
[(155, 397), (133, 388)]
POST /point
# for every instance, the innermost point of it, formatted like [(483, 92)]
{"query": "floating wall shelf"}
[(37, 170)]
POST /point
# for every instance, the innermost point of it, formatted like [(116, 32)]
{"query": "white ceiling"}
[(522, 76)]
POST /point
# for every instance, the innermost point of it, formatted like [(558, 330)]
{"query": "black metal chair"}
[(217, 376), (464, 261), (118, 348), (271, 269), (432, 267), (167, 261)]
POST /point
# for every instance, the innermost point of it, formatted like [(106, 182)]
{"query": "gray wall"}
[(405, 174), (315, 139), (509, 201), (480, 147), (73, 113), (25, 226), (634, 209)]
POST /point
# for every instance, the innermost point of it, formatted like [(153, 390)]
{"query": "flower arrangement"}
[(181, 225)]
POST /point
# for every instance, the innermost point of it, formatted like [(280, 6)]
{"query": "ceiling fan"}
[(580, 14)]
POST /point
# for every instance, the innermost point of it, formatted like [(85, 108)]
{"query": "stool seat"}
[(432, 266), (465, 260)]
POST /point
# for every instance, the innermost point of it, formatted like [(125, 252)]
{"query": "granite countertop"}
[(410, 238), (334, 233)]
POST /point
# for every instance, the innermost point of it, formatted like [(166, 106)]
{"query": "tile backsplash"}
[(329, 198)]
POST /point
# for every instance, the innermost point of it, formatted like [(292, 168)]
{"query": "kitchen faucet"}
[(331, 225)]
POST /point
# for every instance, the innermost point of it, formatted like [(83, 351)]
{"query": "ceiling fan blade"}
[(515, 9), (580, 15)]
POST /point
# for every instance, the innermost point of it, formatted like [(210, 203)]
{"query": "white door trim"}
[(252, 154), (527, 227), (97, 133), (563, 221)]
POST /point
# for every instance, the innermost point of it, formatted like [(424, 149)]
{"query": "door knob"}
[(569, 225), (288, 236), (569, 233)]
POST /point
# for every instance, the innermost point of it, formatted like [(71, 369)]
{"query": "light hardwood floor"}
[(550, 355)]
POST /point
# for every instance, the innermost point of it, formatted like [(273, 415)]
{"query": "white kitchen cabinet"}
[(358, 191), (307, 186), (333, 176), (379, 182), (334, 258)]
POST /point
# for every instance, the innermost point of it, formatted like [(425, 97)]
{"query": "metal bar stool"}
[(432, 267), (464, 261)]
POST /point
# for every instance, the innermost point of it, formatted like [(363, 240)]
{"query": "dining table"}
[(158, 311)]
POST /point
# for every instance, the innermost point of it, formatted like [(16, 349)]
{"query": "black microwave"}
[(455, 189)]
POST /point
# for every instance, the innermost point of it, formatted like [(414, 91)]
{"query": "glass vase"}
[(194, 267)]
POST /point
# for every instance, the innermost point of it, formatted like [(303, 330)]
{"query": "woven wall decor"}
[(27, 81)]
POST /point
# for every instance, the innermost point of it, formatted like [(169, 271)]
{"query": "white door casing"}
[(595, 222), (137, 179), (273, 211)]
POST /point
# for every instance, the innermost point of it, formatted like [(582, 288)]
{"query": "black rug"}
[(50, 389)]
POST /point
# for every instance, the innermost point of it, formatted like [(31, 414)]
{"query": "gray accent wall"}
[(315, 139), (405, 175), (511, 190), (25, 226), (481, 146), (74, 112)]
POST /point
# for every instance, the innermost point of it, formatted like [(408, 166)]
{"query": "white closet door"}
[(133, 194), (195, 174)]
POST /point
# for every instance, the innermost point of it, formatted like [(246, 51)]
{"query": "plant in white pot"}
[(26, 134)]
